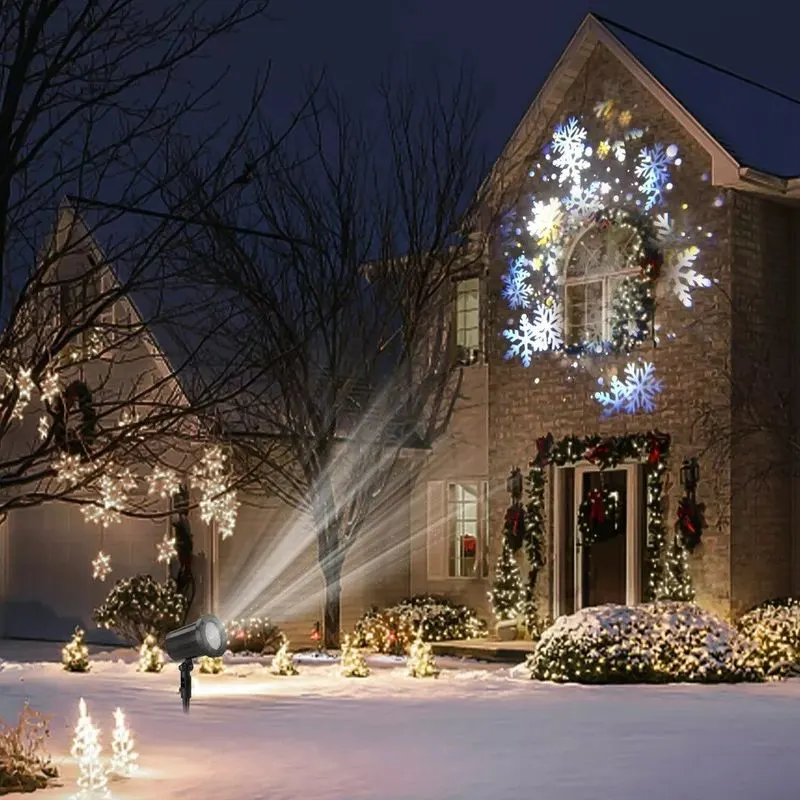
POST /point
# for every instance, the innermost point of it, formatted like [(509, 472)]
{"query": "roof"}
[(758, 128)]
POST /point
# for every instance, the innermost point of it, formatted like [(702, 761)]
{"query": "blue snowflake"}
[(507, 223), (652, 169), (516, 290), (637, 392), (522, 341)]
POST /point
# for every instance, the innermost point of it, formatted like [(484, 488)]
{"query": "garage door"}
[(50, 584)]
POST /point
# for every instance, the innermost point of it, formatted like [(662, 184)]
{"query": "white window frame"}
[(454, 520), (609, 281), (468, 336)]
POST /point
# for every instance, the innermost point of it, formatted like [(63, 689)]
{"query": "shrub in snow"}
[(253, 635), (652, 643), (151, 658), (24, 764), (75, 654), (283, 662), (421, 663), (210, 666), (393, 629), (353, 664), (774, 629), (139, 607)]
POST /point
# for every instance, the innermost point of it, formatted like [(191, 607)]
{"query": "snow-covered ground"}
[(476, 733)]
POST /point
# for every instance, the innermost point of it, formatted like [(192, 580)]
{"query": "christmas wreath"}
[(598, 517), (689, 525), (514, 527), (74, 440)]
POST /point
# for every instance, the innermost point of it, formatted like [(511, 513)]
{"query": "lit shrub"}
[(652, 643), (392, 630), (24, 764), (253, 635), (774, 629), (210, 666), (139, 607)]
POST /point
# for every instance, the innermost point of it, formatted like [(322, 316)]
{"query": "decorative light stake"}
[(123, 756)]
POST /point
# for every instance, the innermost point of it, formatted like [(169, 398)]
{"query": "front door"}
[(608, 571)]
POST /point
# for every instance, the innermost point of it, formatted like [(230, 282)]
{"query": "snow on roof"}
[(757, 128)]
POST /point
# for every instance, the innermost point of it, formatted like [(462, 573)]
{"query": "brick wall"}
[(527, 403), (763, 261)]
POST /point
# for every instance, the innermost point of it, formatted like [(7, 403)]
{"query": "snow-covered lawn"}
[(476, 733)]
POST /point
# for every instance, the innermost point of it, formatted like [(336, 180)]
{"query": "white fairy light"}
[(25, 386), (218, 502), (166, 549), (163, 482), (51, 386), (69, 468), (86, 750), (123, 756), (44, 427), (114, 491), (101, 566)]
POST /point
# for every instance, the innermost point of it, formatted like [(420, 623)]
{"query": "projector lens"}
[(212, 635)]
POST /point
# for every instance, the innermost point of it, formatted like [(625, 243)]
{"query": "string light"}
[(283, 661), (123, 756), (218, 502), (51, 386), (70, 469), (506, 594), (166, 549), (353, 664), (151, 657), (75, 654), (101, 566), (163, 482), (86, 750), (421, 663), (43, 427), (113, 497)]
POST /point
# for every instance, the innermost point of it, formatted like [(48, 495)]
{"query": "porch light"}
[(690, 474), (514, 484)]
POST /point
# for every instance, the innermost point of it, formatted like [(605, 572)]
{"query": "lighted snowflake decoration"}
[(43, 428), (163, 482), (516, 289), (101, 566), (683, 277), (636, 393), (25, 387), (548, 327), (51, 386), (546, 220), (218, 501), (652, 169), (114, 488), (569, 142), (166, 549)]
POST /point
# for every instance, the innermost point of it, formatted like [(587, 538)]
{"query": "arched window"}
[(598, 261)]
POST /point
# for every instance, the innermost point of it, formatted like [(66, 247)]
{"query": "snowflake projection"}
[(569, 141), (636, 393), (666, 232), (522, 341), (683, 277), (516, 289), (548, 327), (547, 218), (652, 169)]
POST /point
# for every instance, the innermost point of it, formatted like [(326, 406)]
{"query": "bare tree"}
[(96, 97), (356, 295)]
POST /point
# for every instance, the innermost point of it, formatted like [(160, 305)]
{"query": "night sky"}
[(512, 44)]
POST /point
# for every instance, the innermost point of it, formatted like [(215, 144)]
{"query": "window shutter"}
[(436, 530)]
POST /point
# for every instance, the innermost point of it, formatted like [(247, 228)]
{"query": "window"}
[(468, 320), (596, 266), (463, 516)]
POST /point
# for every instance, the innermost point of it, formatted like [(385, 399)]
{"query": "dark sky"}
[(511, 45)]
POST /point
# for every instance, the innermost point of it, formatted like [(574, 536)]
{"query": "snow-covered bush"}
[(661, 642), (254, 635), (392, 630), (774, 628), (209, 665), (24, 763), (139, 607)]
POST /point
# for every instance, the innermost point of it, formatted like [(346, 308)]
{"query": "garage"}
[(49, 584)]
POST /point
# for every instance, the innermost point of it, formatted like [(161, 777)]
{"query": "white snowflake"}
[(652, 169), (583, 201), (516, 290), (521, 341), (637, 392), (619, 151), (683, 277), (548, 327), (666, 234), (569, 141), (546, 220)]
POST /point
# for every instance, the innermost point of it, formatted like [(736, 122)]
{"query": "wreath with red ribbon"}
[(74, 440), (689, 525), (598, 517)]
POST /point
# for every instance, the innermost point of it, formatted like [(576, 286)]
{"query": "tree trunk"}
[(333, 605)]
